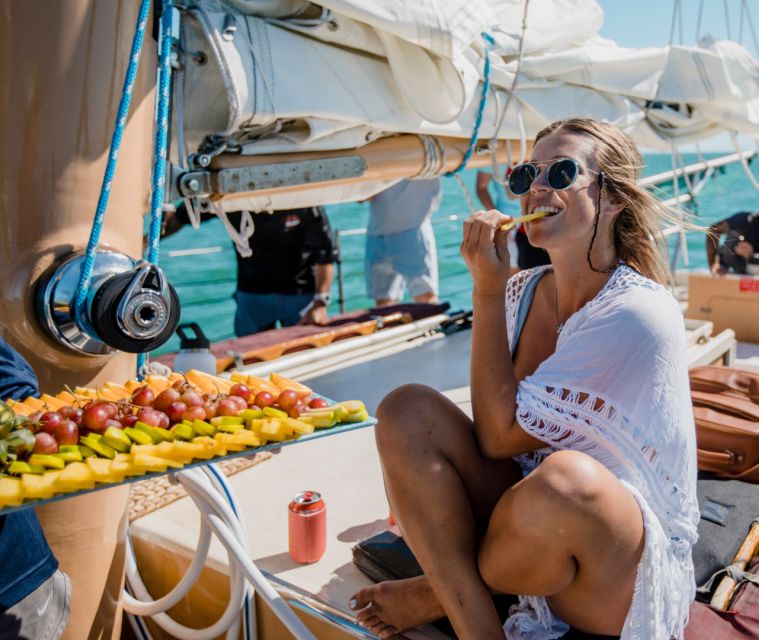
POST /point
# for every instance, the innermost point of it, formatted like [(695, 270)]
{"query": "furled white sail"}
[(294, 76)]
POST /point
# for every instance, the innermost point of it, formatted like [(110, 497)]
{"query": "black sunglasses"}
[(561, 174)]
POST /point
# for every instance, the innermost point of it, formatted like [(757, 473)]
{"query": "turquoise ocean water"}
[(205, 282)]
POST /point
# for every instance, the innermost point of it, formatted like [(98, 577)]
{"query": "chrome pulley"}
[(130, 305)]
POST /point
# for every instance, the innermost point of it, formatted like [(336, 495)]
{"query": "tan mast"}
[(62, 66)]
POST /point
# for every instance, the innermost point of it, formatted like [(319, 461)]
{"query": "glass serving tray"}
[(317, 433)]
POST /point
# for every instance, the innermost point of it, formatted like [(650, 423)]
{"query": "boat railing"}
[(677, 188)]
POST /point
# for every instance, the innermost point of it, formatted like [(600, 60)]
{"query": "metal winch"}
[(130, 305)]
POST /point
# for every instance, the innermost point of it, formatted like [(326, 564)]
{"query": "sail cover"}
[(282, 76)]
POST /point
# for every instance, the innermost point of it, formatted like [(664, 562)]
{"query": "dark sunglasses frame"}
[(552, 177)]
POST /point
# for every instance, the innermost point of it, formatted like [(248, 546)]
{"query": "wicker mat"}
[(149, 495)]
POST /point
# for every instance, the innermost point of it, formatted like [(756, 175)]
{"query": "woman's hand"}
[(486, 252)]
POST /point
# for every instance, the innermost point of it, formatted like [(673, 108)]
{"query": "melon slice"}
[(283, 383)]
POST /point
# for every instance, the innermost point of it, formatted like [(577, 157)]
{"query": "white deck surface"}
[(344, 469)]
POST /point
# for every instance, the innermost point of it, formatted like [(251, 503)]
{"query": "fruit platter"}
[(85, 439)]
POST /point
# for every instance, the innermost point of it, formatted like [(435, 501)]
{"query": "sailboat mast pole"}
[(62, 65)]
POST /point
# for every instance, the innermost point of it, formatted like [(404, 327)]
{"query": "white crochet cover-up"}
[(616, 388)]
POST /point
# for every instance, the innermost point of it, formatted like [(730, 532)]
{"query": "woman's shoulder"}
[(631, 295), (516, 284)]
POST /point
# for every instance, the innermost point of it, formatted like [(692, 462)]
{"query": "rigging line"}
[(676, 11), (489, 42), (110, 168), (740, 22), (161, 143), (744, 164), (698, 20), (495, 165), (751, 27), (727, 19)]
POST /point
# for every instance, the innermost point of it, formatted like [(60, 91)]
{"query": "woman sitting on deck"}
[(575, 484)]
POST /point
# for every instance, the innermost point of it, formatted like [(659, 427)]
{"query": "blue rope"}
[(161, 142), (489, 42), (105, 190)]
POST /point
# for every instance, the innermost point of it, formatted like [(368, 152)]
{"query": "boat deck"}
[(345, 469)]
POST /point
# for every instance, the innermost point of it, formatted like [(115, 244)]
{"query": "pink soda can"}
[(307, 527)]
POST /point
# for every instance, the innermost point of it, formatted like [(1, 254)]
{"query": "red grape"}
[(112, 422), (287, 399), (195, 412), (67, 432), (163, 420), (295, 411), (94, 418), (229, 407), (72, 413), (165, 398), (212, 409), (239, 401), (45, 443), (175, 411), (149, 416), (318, 403), (35, 417), (192, 398), (49, 421), (129, 419), (263, 399), (112, 408), (242, 391), (143, 396)]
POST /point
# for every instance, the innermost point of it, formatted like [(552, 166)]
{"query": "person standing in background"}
[(528, 256), (287, 278), (740, 246), (400, 243), (35, 595)]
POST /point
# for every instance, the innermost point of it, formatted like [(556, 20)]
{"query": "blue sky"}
[(642, 23), (647, 23)]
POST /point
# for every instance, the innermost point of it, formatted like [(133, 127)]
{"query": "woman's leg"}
[(572, 532), (442, 492)]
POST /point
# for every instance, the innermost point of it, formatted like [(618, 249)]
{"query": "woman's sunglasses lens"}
[(521, 178), (562, 174)]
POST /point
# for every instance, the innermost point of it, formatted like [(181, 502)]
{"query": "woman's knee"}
[(415, 413), (571, 478)]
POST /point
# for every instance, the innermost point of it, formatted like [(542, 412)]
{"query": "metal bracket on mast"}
[(207, 183)]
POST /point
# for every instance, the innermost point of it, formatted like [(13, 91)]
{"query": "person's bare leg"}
[(442, 492), (384, 302), (429, 297), (572, 532)]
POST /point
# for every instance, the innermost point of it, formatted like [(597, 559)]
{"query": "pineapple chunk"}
[(150, 463), (319, 419), (11, 492), (272, 429), (172, 451), (86, 392), (40, 486), (75, 476), (105, 470), (209, 447), (238, 441)]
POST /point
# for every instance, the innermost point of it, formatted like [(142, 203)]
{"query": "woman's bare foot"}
[(390, 607)]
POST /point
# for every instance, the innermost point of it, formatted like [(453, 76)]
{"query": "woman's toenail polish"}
[(352, 603)]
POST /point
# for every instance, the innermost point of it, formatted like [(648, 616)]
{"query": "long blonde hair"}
[(638, 239)]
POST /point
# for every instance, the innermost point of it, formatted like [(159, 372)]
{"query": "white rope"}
[(744, 164), (698, 20), (727, 20), (467, 195), (495, 166), (434, 158), (240, 238)]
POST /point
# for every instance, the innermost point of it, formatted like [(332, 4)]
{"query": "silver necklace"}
[(559, 325)]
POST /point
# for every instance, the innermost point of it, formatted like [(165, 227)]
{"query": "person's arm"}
[(492, 379), (712, 244), (483, 195), (323, 276), (320, 241)]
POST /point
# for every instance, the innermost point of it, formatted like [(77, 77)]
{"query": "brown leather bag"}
[(726, 409)]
